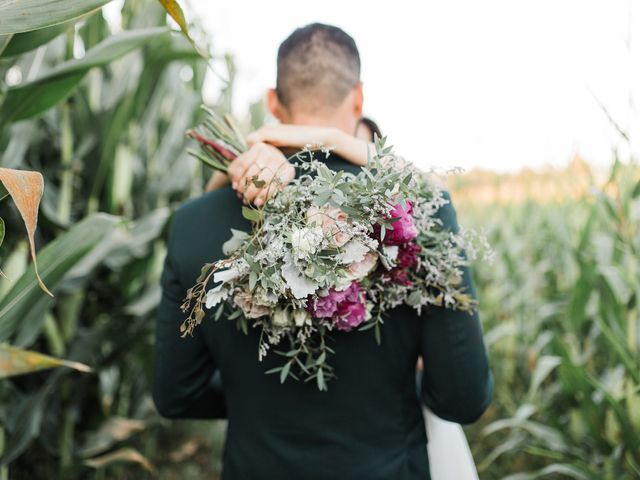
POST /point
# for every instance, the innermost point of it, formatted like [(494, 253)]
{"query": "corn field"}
[(561, 321), (101, 110)]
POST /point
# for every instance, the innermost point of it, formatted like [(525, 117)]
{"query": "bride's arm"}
[(350, 148)]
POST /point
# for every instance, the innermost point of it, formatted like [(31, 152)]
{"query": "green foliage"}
[(106, 129), (33, 98), (560, 307), (20, 43), (24, 15)]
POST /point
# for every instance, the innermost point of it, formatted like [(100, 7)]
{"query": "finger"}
[(253, 191), (245, 181), (276, 177), (260, 199), (269, 190), (269, 175), (238, 167)]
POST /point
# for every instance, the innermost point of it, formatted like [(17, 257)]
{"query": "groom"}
[(369, 425)]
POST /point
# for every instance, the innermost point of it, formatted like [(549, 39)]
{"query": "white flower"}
[(332, 221), (343, 283), (215, 296), (238, 237), (301, 317), (305, 240), (362, 268), (240, 267), (280, 317), (299, 285), (391, 252), (354, 251), (265, 297)]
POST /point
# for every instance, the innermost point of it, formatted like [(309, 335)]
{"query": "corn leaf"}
[(56, 259), (4, 43), (175, 11), (25, 15), (25, 188), (35, 97), (113, 430), (20, 43), (121, 455), (17, 361)]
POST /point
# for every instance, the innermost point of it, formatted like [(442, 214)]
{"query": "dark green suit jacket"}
[(369, 425)]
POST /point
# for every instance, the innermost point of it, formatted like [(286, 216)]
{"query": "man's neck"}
[(346, 124)]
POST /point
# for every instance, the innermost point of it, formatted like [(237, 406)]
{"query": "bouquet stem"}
[(220, 140)]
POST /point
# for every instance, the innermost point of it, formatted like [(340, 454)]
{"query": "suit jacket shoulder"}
[(200, 227)]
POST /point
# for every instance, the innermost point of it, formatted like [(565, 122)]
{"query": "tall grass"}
[(561, 318), (102, 114)]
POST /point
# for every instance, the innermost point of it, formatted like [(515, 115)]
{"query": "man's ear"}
[(358, 100), (275, 106)]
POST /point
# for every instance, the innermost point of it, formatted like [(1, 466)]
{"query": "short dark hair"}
[(317, 66), (372, 126)]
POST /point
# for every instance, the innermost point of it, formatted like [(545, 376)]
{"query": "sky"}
[(497, 84)]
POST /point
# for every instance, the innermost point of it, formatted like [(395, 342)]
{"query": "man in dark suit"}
[(369, 424)]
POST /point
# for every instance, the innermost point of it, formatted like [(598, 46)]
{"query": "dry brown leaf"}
[(26, 189), (114, 430), (175, 11), (17, 361), (121, 455)]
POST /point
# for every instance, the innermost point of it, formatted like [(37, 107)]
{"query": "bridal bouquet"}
[(331, 252)]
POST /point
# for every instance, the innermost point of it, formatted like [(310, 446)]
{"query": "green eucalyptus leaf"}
[(284, 373), (251, 214), (322, 386)]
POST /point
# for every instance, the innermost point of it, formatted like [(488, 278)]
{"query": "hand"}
[(264, 164), (297, 136)]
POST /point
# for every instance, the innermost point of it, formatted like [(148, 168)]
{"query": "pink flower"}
[(345, 306), (333, 222), (404, 230), (350, 315), (399, 276), (327, 306), (245, 301), (362, 268), (408, 255)]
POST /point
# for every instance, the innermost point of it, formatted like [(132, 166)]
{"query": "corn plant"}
[(562, 321), (101, 114)]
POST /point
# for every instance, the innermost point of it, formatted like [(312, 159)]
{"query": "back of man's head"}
[(318, 66)]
